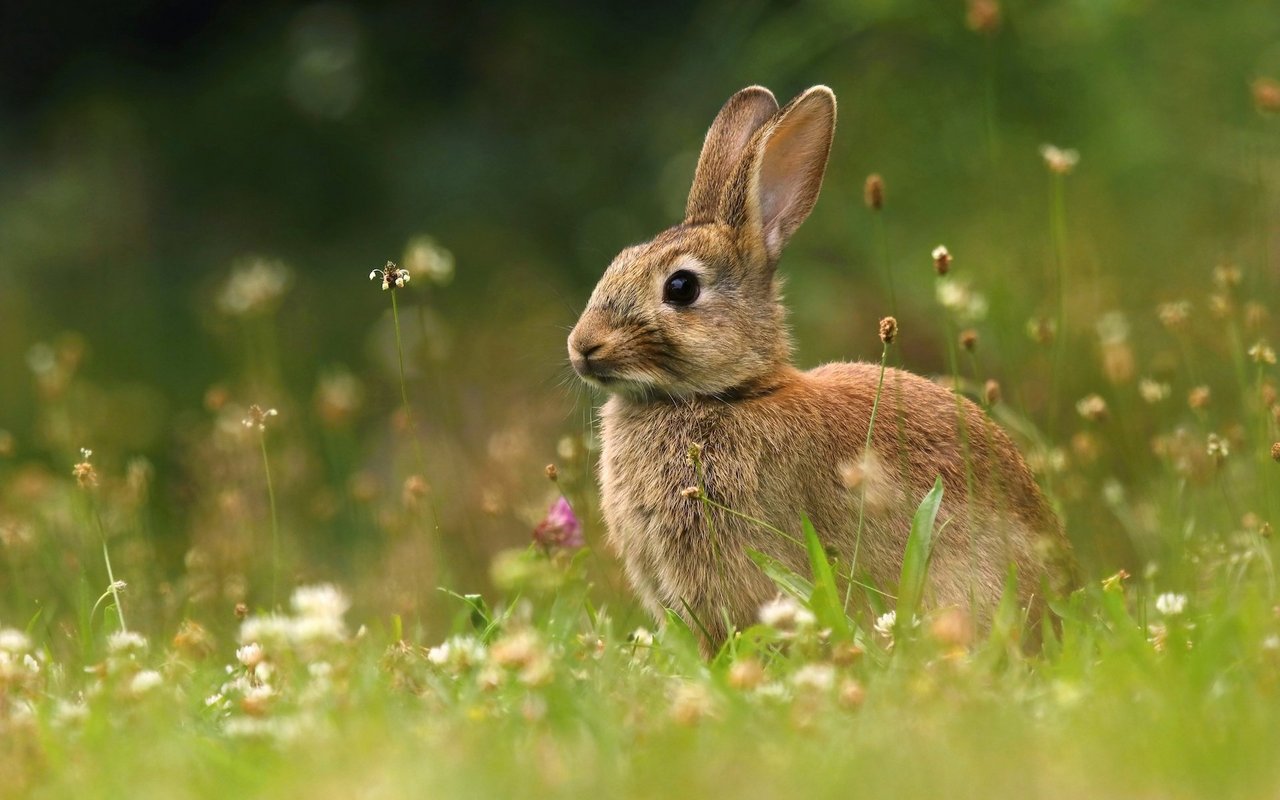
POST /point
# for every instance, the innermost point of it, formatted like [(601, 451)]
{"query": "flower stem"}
[(106, 557), (866, 452), (275, 522)]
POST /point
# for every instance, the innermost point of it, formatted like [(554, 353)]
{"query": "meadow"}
[(297, 492)]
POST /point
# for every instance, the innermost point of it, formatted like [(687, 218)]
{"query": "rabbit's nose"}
[(580, 356)]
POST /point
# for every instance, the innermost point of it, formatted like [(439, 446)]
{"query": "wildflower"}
[(1092, 408), (1275, 451), (84, 472), (941, 259), (951, 628), (1220, 305), (1174, 316), (145, 681), (1266, 95), (126, 642), (691, 493), (816, 677), (339, 395), (885, 623), (324, 601), (1153, 391), (969, 339), (424, 255), (991, 392), (459, 653), (852, 695), (525, 652), (1255, 315), (785, 614), (415, 488), (1171, 604), (959, 299), (983, 16), (888, 330), (746, 673), (13, 641), (873, 192), (255, 287), (1060, 161), (1217, 448), (257, 417), (1226, 276), (560, 527), (1261, 353), (691, 703), (1041, 330), (641, 637), (1199, 398), (250, 655), (391, 276)]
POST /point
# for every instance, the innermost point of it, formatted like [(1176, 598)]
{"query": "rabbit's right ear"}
[(727, 139)]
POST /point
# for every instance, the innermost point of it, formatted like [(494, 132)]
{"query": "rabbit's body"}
[(689, 334), (790, 450)]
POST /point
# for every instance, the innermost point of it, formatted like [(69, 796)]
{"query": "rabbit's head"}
[(696, 310)]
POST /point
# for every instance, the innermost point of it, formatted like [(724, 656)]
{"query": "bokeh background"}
[(149, 151)]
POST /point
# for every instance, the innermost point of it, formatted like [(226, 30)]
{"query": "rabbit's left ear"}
[(778, 181), (723, 148)]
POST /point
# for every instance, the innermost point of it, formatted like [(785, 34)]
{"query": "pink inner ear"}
[(790, 171)]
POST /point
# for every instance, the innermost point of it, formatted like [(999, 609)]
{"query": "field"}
[(277, 521)]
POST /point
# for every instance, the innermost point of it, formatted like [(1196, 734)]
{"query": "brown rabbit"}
[(689, 334)]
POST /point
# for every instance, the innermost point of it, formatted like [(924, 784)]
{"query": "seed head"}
[(1092, 408), (1042, 330), (1275, 451), (1174, 315), (1226, 276), (691, 493), (873, 192), (941, 259), (1060, 161), (983, 16), (1217, 448), (553, 474), (258, 417), (888, 330), (969, 339), (991, 391), (1199, 398), (1153, 391), (1266, 95), (84, 472), (1261, 353), (392, 277)]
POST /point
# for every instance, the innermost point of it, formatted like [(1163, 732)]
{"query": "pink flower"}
[(560, 527)]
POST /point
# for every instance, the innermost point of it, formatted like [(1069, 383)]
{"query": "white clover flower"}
[(1059, 160), (126, 642), (819, 677), (785, 613), (14, 641), (459, 653), (885, 623), (324, 601), (145, 681), (270, 628), (250, 655), (68, 712), (1171, 604), (641, 637)]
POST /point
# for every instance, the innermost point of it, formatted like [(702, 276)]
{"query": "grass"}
[(533, 674)]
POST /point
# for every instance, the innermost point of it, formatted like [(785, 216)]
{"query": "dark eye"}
[(681, 288)]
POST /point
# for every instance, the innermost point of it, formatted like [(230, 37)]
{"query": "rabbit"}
[(688, 335)]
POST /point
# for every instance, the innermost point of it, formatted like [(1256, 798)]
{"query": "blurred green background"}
[(146, 148)]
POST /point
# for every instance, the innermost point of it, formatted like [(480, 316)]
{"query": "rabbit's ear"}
[(744, 114), (777, 183)]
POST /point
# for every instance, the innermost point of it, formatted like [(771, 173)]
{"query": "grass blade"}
[(915, 561)]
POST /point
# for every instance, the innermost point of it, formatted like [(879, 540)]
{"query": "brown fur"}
[(778, 443)]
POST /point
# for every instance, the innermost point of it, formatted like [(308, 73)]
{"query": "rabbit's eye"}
[(681, 288)]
